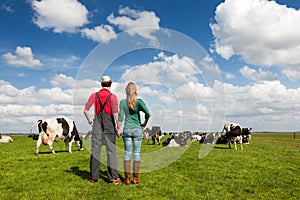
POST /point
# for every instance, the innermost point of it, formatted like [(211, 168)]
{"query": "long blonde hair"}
[(131, 95)]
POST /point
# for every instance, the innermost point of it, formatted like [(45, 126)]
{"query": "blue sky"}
[(197, 64)]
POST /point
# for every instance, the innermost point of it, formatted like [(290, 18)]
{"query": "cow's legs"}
[(229, 144), (38, 144), (235, 147), (240, 140), (68, 145), (50, 144)]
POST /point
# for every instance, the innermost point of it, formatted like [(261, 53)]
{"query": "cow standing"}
[(56, 129), (235, 134), (155, 134)]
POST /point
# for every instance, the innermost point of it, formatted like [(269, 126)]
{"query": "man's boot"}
[(127, 171), (136, 171)]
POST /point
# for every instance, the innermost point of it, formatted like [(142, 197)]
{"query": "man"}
[(104, 130)]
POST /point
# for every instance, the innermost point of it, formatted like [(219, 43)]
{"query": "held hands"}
[(119, 133), (143, 124)]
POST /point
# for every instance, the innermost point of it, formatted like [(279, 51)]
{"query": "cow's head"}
[(78, 139), (35, 136), (79, 144), (246, 131)]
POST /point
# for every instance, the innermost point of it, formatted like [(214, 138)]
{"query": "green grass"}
[(267, 168)]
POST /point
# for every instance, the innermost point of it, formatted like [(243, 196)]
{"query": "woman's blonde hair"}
[(131, 95)]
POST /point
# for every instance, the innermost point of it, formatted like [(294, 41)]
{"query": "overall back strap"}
[(102, 116), (105, 102)]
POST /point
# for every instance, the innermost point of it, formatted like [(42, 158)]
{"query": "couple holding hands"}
[(108, 119)]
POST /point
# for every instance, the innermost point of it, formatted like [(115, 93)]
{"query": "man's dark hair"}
[(106, 84)]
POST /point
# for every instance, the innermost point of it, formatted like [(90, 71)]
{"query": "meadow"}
[(267, 168)]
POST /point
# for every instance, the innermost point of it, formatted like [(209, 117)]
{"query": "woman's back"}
[(132, 116)]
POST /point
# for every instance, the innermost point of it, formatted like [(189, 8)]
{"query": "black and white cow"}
[(177, 140), (155, 134), (57, 129), (171, 142), (234, 133), (5, 139)]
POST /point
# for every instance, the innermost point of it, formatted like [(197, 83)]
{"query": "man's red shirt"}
[(103, 94)]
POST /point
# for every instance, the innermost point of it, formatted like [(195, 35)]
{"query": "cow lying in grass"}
[(57, 129), (177, 140), (5, 139)]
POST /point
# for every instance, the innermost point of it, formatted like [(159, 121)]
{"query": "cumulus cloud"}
[(165, 70), (183, 103), (11, 95), (136, 22), (292, 72), (61, 80), (259, 75), (229, 75), (103, 33), (262, 104), (23, 57), (194, 91), (63, 63), (59, 15), (56, 95), (262, 32), (172, 83)]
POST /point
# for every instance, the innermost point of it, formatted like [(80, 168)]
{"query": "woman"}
[(132, 130)]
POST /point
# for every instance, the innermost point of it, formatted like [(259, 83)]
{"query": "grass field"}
[(267, 168)]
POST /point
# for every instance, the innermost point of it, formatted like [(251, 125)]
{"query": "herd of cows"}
[(62, 128), (231, 134)]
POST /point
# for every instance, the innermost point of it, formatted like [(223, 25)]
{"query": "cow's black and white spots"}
[(155, 134), (235, 134), (56, 129), (177, 139)]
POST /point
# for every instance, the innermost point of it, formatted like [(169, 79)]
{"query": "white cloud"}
[(262, 32), (165, 70), (59, 15), (263, 105), (102, 33), (10, 94), (56, 95), (62, 80), (186, 105), (259, 75), (63, 63), (229, 75), (142, 23), (23, 57), (202, 109), (166, 99), (24, 106), (292, 72), (193, 91)]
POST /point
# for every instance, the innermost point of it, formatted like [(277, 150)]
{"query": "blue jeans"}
[(134, 136)]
